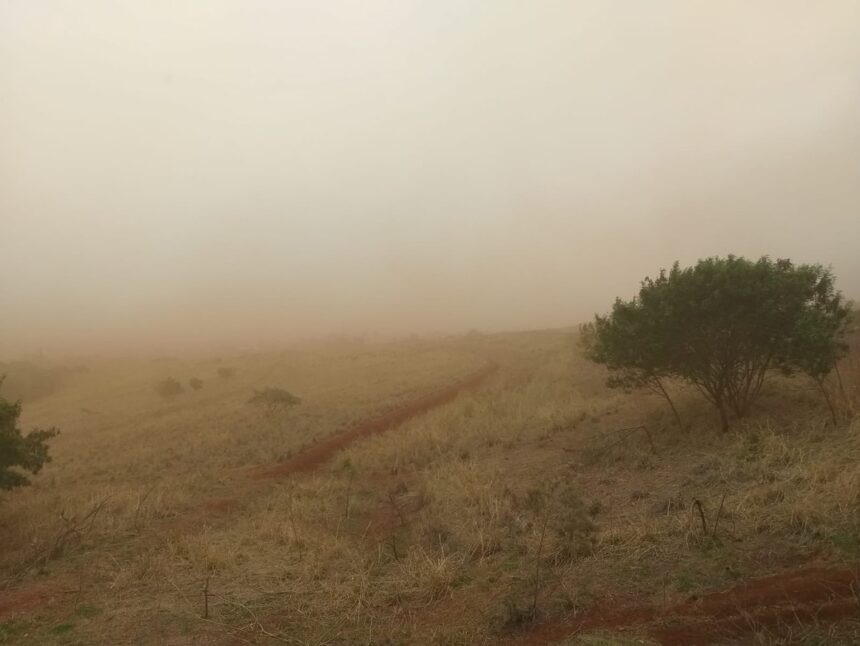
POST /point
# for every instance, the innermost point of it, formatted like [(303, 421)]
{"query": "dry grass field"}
[(536, 506)]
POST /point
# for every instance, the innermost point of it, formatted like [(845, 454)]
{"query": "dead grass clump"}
[(430, 576), (802, 484)]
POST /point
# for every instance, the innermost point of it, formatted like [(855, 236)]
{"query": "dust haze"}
[(194, 175)]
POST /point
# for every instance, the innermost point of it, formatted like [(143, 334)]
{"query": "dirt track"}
[(316, 455), (791, 599), (321, 451), (19, 601)]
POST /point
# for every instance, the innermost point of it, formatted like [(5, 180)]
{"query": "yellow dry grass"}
[(449, 529)]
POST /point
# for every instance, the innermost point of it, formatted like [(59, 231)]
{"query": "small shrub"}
[(226, 372), (62, 629), (552, 526), (195, 383), (274, 400), (168, 388)]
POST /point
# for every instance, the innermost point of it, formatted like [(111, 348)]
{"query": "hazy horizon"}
[(195, 175)]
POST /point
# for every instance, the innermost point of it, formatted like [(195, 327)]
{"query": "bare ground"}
[(811, 594)]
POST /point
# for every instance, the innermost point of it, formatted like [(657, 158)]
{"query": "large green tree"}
[(19, 452), (722, 326)]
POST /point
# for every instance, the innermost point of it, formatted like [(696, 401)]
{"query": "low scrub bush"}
[(168, 388), (274, 400)]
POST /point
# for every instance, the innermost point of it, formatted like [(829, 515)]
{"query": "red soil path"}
[(322, 451), (808, 595), (813, 594), (319, 453), (22, 600)]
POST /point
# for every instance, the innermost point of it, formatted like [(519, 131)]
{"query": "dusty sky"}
[(186, 174)]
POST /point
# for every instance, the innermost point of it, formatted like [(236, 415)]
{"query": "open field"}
[(413, 323), (475, 490)]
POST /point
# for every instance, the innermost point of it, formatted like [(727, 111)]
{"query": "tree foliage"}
[(274, 399), (195, 383), (722, 326), (226, 372), (18, 451)]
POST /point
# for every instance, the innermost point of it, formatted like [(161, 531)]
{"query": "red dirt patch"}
[(20, 601), (609, 614), (320, 452), (812, 594)]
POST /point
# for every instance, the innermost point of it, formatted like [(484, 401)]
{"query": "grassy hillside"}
[(539, 507)]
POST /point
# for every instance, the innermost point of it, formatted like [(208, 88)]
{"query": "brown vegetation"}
[(521, 511)]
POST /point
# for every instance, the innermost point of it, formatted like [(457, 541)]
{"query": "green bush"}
[(723, 326), (226, 372), (274, 400), (28, 452)]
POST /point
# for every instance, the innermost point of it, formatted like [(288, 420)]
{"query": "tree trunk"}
[(669, 401), (724, 418), (848, 403), (827, 399), (742, 408)]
